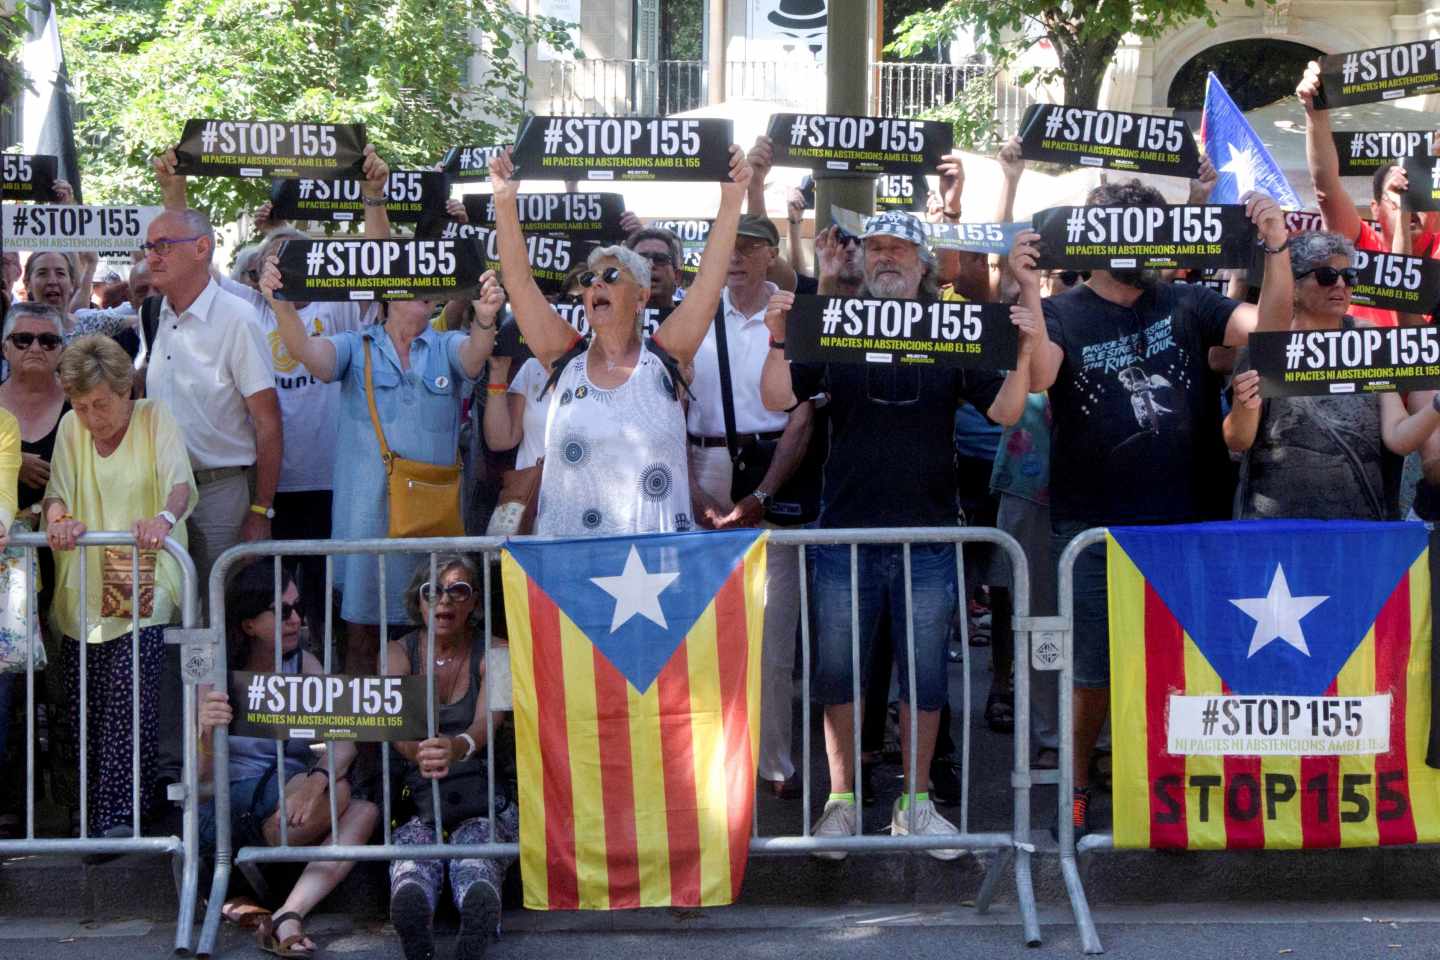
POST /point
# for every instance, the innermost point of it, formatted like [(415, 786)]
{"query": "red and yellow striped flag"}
[(1270, 686), (636, 667)]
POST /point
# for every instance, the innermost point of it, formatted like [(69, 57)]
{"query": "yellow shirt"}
[(110, 494), (9, 467)]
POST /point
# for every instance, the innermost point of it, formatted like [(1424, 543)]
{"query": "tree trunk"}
[(1083, 65)]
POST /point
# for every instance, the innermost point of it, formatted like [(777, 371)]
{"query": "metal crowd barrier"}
[(184, 848), (1012, 847)]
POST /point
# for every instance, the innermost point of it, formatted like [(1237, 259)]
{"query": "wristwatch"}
[(169, 518), (267, 512), (762, 498)]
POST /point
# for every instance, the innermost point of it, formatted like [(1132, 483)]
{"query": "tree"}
[(1083, 33), (141, 68)]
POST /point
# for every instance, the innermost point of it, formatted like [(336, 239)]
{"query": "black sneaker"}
[(479, 920), (945, 781), (414, 922)]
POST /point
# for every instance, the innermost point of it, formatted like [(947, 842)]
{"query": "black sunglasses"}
[(288, 610), (843, 238), (659, 259), (610, 275), (457, 592), (48, 341), (1326, 276)]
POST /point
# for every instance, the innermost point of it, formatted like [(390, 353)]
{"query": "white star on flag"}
[(636, 592), (1277, 615), (1242, 166)]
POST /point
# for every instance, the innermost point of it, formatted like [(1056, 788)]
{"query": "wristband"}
[(1280, 249), (498, 387), (470, 740), (373, 201), (777, 344)]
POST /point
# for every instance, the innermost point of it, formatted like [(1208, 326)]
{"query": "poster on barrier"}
[(1270, 684), (293, 706)]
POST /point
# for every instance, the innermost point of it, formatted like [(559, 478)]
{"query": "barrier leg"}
[(993, 871), (1089, 938)]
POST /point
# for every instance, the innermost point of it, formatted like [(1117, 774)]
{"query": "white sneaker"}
[(923, 819), (838, 820)]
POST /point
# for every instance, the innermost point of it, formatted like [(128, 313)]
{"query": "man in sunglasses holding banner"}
[(891, 464)]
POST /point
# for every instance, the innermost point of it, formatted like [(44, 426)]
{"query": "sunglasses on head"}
[(1327, 276), (610, 275), (457, 592), (48, 341), (659, 259)]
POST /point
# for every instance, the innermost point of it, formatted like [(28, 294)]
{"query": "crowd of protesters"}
[(185, 404)]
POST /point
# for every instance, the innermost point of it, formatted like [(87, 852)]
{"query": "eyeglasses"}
[(457, 592), (610, 275), (164, 245), (1327, 276), (845, 239), (48, 341), (659, 259)]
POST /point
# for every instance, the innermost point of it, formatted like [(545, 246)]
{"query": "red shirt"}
[(1428, 246)]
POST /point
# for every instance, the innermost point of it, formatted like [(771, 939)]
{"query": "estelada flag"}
[(1270, 684), (636, 664)]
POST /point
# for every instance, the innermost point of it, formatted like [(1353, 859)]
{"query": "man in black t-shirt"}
[(891, 464), (1126, 355)]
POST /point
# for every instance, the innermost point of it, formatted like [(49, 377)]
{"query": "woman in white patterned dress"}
[(615, 455)]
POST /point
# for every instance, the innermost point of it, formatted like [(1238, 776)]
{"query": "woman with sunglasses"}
[(1322, 457), (456, 757), (256, 779), (33, 338), (616, 458)]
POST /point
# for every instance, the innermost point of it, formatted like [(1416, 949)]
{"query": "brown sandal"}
[(244, 912), (266, 940)]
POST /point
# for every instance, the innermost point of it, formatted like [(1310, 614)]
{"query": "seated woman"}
[(254, 775), (455, 756), (119, 464), (1322, 457)]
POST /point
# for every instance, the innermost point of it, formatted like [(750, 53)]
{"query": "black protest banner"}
[(295, 706), (1391, 281), (996, 238), (551, 256), (74, 227), (1296, 363), (510, 342), (594, 215), (1380, 73), (693, 234), (877, 330), (1424, 175), (29, 176), (901, 191), (410, 196), (469, 163), (1302, 221), (444, 269), (1145, 237), (858, 144), (1362, 152), (623, 148), (255, 148), (1137, 142)]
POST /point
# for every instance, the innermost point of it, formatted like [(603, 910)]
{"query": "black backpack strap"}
[(727, 391), (672, 367), (581, 345)]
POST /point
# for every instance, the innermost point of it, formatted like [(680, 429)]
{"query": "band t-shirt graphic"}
[(1132, 419)]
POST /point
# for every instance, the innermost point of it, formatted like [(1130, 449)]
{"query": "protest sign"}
[(73, 227), (858, 144), (1301, 221), (469, 163), (1424, 175), (509, 342), (1391, 281), (1379, 73), (623, 148), (29, 176), (253, 148), (1137, 142), (411, 195), (901, 191), (551, 256), (1362, 152), (996, 238), (1144, 237), (824, 329), (444, 269), (1294, 363), (294, 706), (592, 214), (693, 234)]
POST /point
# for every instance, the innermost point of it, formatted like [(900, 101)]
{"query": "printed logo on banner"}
[(1298, 644), (551, 256), (409, 196), (1080, 136), (1296, 363), (630, 148), (859, 144), (1145, 237), (248, 148), (470, 163), (1364, 152), (73, 227), (877, 330), (359, 269), (293, 706), (29, 176), (596, 214), (1424, 175), (1380, 73)]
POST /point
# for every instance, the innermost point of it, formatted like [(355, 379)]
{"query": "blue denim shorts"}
[(252, 801), (881, 587), (1091, 642)]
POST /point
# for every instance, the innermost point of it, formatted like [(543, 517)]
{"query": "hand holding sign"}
[(1246, 388), (1024, 256), (1268, 218), (504, 185), (780, 303), (490, 300), (952, 184)]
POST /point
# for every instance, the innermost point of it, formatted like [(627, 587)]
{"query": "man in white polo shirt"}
[(742, 305)]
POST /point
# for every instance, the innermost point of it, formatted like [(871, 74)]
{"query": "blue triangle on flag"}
[(619, 590), (1333, 579)]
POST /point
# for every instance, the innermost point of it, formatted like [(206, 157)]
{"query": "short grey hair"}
[(667, 237), (197, 224), (1313, 248), (273, 241), (634, 264), (245, 260), (444, 563), (32, 310)]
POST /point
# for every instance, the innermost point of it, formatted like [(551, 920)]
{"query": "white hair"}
[(32, 310), (634, 264)]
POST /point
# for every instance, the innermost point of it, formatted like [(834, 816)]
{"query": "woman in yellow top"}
[(14, 652), (119, 464)]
